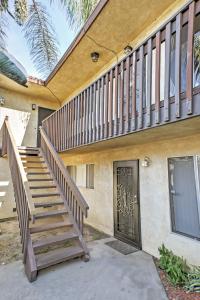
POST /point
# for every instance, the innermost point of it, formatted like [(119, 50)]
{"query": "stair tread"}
[(33, 161), (36, 168), (24, 151), (48, 227), (37, 187), (54, 240), (45, 195), (52, 213), (57, 256), (24, 156), (28, 147), (40, 179), (38, 173), (46, 204)]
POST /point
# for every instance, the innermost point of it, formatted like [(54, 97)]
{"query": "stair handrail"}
[(7, 134), (53, 158)]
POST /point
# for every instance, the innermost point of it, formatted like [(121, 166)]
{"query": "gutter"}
[(78, 38)]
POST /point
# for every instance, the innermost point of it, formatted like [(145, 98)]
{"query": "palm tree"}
[(37, 26)]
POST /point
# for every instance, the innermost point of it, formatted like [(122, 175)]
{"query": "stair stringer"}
[(30, 262)]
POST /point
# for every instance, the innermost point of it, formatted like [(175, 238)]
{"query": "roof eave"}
[(75, 42)]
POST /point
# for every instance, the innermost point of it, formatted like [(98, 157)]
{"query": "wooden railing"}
[(153, 85), (75, 200), (24, 204)]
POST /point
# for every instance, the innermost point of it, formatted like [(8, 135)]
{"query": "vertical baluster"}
[(127, 94), (140, 119), (157, 79), (102, 108), (90, 118), (84, 115), (87, 116), (67, 125), (69, 140), (75, 121), (149, 81), (116, 100), (62, 125), (98, 107), (94, 112), (121, 112), (133, 113), (167, 71), (79, 217), (178, 64), (81, 118), (111, 105), (189, 70), (106, 105)]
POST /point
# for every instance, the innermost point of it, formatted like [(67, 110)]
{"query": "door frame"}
[(38, 125), (120, 236)]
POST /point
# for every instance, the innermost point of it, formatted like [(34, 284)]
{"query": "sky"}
[(16, 43)]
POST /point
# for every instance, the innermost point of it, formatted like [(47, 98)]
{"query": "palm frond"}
[(21, 11), (78, 11), (197, 52), (3, 5), (41, 38), (3, 27)]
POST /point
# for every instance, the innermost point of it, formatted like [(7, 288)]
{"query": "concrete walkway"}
[(108, 276)]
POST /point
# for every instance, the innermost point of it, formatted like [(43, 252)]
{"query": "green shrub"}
[(175, 267), (193, 284)]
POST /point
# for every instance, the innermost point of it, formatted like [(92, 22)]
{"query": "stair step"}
[(45, 195), (35, 168), (38, 173), (28, 152), (48, 227), (42, 187), (33, 161), (52, 213), (27, 147), (40, 179), (48, 204), (56, 239), (57, 256), (24, 156)]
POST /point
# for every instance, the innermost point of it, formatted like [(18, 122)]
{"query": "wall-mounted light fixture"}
[(94, 56), (146, 162), (33, 106), (2, 100), (128, 49)]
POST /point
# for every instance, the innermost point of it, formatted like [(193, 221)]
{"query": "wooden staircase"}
[(50, 213), (54, 236)]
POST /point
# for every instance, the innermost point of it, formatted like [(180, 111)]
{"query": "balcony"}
[(157, 84)]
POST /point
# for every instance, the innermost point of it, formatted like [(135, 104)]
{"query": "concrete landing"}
[(109, 275)]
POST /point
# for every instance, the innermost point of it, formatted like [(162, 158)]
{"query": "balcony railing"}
[(158, 83)]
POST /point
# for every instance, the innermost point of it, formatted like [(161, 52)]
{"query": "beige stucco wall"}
[(23, 122), (154, 194)]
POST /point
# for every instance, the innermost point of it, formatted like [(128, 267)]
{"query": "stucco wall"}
[(23, 122), (154, 194)]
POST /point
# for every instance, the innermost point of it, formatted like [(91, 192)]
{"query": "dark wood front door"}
[(43, 113), (126, 202)]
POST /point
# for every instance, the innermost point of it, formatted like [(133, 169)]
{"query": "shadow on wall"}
[(18, 121)]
